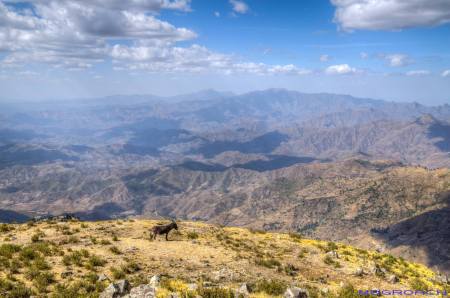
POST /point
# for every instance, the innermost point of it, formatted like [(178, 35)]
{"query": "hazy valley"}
[(328, 166)]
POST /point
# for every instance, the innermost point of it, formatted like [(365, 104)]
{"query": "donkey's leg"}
[(167, 234)]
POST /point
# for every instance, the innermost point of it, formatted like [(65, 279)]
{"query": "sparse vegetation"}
[(50, 267)]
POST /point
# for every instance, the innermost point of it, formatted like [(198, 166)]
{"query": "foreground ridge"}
[(110, 258)]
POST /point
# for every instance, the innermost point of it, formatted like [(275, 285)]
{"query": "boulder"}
[(142, 291), (192, 287), (124, 286), (442, 279), (333, 254), (393, 279), (223, 274), (295, 292), (243, 290), (155, 280), (358, 272), (102, 277), (112, 291)]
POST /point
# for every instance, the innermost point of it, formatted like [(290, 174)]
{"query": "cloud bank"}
[(390, 14)]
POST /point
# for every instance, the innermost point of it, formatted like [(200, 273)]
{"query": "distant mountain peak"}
[(426, 119)]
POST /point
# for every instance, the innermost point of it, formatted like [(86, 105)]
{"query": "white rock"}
[(295, 292)]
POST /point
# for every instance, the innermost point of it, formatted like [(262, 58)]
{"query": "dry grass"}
[(198, 252)]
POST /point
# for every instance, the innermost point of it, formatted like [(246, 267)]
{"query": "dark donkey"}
[(164, 229)]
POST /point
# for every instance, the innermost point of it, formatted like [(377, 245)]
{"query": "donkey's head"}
[(174, 225)]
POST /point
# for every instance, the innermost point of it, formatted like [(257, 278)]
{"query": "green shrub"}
[(75, 258), (330, 261), (331, 246), (269, 263), (43, 280), (41, 264), (192, 235), (5, 228), (215, 293), (28, 254), (7, 250), (96, 261), (9, 289), (348, 291), (270, 287), (295, 236), (117, 273), (114, 238), (115, 250), (418, 285)]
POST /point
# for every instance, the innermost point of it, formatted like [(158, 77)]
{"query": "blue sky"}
[(390, 49)]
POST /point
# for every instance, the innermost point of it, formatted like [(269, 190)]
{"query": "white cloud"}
[(239, 6), (192, 59), (288, 69), (390, 14), (340, 69), (418, 73), (217, 14), (324, 58), (363, 55), (446, 73), (76, 35), (397, 60)]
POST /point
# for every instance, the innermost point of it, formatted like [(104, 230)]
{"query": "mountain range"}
[(368, 172)]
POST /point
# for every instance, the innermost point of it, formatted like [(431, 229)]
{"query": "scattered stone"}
[(223, 274), (142, 291), (333, 254), (295, 292), (392, 279), (155, 280), (102, 277), (442, 278), (124, 286), (358, 272), (132, 249), (377, 270), (192, 287), (112, 291), (243, 290)]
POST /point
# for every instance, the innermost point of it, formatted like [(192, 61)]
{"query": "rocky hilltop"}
[(53, 258)]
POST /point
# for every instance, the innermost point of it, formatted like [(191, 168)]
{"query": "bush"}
[(348, 291), (9, 289), (117, 273), (269, 263), (28, 254), (215, 293), (43, 280), (114, 238), (270, 287), (96, 261), (105, 242), (192, 235), (295, 236), (330, 261), (115, 250), (331, 246), (75, 258), (5, 228), (7, 250), (418, 285)]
